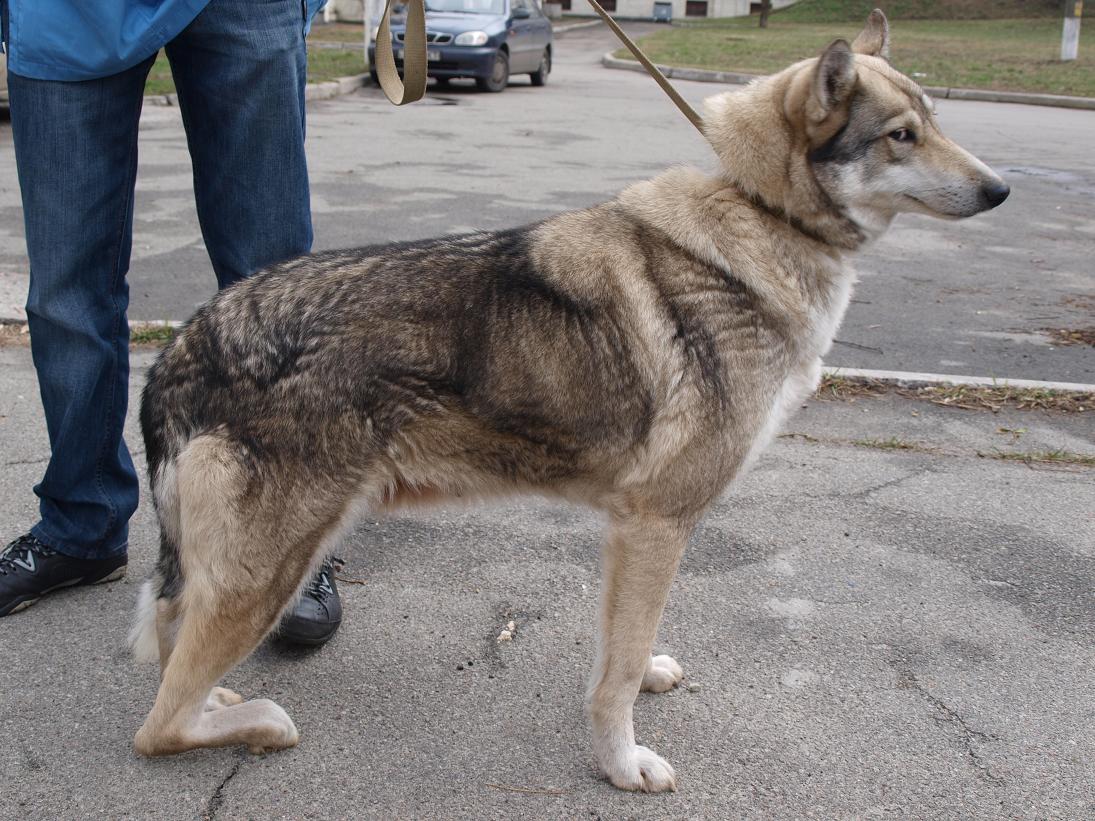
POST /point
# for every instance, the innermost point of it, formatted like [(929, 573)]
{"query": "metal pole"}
[(1070, 34)]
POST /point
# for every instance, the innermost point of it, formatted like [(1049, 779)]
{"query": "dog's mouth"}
[(924, 208)]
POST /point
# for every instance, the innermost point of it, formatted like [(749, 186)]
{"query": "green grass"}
[(1007, 55), (1003, 396), (152, 334), (1058, 457), (336, 33), (893, 443), (159, 78), (995, 398), (839, 11), (327, 64), (323, 63)]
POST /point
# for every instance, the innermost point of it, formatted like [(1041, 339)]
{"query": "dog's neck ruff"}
[(838, 229), (846, 233)]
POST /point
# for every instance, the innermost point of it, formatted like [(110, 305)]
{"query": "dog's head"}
[(845, 142)]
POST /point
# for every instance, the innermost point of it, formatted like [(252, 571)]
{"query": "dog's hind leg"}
[(242, 559), (168, 618), (186, 714), (640, 559)]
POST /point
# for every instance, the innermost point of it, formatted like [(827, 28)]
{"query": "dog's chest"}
[(825, 314), (803, 373)]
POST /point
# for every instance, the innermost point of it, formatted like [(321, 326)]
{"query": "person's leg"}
[(240, 71), (76, 154)]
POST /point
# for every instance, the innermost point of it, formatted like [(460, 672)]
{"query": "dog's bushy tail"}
[(143, 637), (163, 438)]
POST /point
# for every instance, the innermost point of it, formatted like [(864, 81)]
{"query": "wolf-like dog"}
[(634, 357)]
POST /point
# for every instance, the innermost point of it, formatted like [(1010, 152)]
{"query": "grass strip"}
[(1000, 55), (994, 398)]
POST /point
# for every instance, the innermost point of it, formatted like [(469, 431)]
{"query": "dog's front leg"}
[(640, 558)]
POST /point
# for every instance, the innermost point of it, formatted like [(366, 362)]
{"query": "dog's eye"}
[(902, 135)]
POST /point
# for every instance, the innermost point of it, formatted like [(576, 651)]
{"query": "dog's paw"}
[(641, 769), (662, 674), (273, 731), (220, 697)]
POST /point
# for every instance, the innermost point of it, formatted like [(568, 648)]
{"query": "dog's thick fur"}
[(634, 357)]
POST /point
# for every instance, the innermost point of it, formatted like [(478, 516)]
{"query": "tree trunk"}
[(765, 8)]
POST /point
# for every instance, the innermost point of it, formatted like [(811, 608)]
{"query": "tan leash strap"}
[(652, 70), (413, 84)]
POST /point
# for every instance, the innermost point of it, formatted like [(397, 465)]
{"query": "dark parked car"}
[(485, 39)]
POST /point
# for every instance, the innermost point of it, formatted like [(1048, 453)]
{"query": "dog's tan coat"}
[(635, 357)]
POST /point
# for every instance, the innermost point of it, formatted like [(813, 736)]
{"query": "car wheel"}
[(373, 76), (499, 75), (539, 77)]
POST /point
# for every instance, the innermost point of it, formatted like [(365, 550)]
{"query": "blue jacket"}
[(86, 39)]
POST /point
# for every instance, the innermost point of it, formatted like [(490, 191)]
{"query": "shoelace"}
[(19, 555), (322, 585)]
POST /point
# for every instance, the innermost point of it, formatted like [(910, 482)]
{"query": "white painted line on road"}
[(913, 379)]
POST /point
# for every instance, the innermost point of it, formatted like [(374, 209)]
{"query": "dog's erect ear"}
[(834, 78), (875, 37)]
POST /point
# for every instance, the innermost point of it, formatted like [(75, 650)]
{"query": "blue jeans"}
[(239, 70)]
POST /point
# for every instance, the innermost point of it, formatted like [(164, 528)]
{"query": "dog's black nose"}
[(995, 193)]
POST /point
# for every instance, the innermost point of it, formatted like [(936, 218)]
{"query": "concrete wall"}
[(346, 11)]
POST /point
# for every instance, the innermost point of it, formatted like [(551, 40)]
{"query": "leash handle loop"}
[(413, 84)]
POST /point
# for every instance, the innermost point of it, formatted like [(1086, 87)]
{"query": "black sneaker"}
[(317, 615), (30, 570)]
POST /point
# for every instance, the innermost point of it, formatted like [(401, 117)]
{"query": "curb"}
[(912, 379), (701, 75), (134, 324), (312, 91), (556, 32), (698, 75), (336, 87)]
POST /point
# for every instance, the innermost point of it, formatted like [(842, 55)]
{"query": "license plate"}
[(432, 55)]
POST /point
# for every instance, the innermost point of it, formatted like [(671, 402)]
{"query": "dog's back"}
[(535, 357)]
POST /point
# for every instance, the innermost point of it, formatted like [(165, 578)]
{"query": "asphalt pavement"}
[(972, 297), (866, 632), (889, 617)]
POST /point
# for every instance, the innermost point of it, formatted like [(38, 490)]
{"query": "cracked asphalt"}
[(867, 631)]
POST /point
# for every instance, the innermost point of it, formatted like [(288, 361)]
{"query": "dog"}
[(634, 357)]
